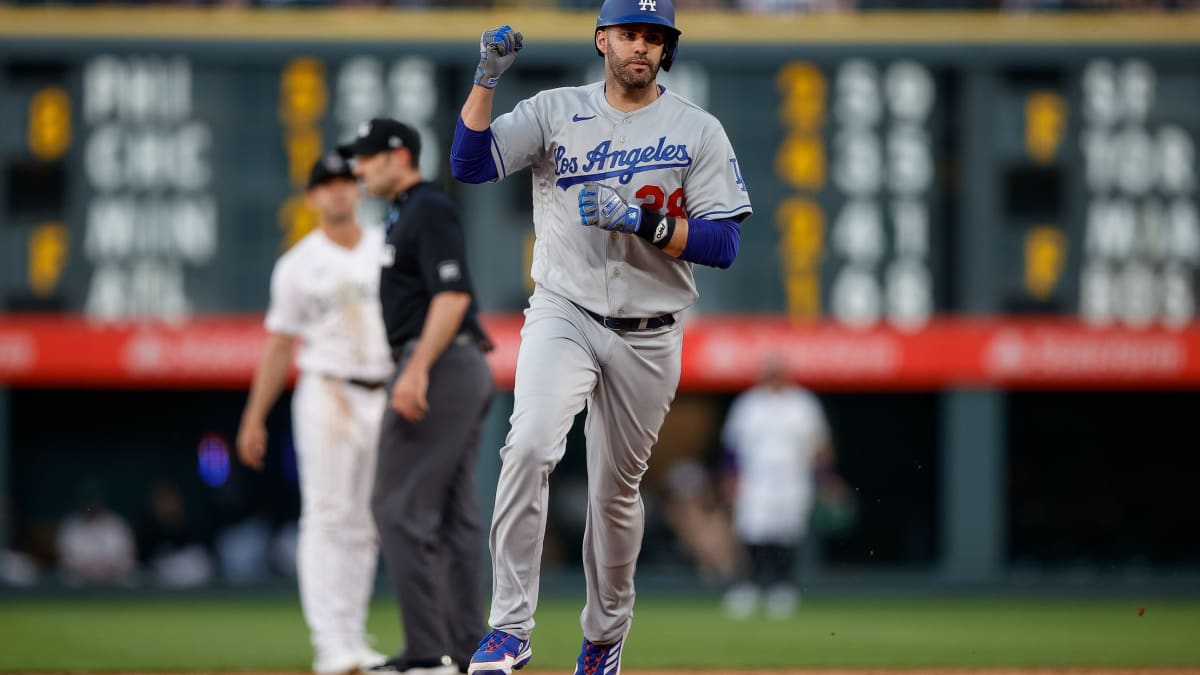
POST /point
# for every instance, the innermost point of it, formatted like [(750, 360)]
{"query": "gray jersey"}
[(670, 156)]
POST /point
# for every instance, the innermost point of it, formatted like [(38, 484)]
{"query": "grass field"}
[(224, 634)]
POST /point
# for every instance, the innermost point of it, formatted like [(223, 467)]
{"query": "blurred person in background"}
[(777, 440), (171, 544), (96, 546), (325, 292), (17, 566), (425, 501), (700, 521)]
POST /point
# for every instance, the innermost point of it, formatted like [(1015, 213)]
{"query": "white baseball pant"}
[(336, 426)]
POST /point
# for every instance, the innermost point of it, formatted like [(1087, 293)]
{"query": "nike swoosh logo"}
[(581, 118)]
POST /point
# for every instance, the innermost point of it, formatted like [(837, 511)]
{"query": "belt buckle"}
[(612, 323)]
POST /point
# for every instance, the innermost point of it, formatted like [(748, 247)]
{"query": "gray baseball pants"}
[(427, 509), (627, 380)]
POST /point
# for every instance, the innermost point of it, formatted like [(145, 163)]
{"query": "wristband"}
[(655, 228)]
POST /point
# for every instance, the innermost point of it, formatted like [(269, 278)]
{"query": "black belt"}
[(370, 385), (464, 338), (629, 323)]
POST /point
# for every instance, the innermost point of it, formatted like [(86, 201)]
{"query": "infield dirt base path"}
[(1165, 670), (916, 671), (912, 671)]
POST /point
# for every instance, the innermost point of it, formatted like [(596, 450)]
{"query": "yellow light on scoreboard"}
[(296, 219), (801, 162), (802, 240), (804, 296), (303, 147), (47, 257), (302, 92), (803, 225), (1045, 255), (303, 98), (49, 132), (803, 87), (1045, 124)]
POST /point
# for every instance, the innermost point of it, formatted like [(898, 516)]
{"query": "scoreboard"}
[(862, 225), (906, 172), (1077, 176), (162, 183)]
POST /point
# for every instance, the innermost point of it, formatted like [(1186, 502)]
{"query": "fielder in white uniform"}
[(325, 293), (632, 184), (778, 437)]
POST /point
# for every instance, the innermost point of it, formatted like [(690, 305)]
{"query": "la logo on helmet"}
[(648, 5)]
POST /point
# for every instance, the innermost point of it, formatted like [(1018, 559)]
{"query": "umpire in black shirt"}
[(424, 500)]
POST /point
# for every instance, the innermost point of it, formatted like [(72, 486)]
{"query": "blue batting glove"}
[(601, 206), (497, 50)]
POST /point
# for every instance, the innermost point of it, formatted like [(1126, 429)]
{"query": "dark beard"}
[(627, 78)]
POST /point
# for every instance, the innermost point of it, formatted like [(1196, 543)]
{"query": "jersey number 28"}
[(653, 197)]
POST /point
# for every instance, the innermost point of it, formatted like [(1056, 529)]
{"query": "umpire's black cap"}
[(330, 166), (379, 134)]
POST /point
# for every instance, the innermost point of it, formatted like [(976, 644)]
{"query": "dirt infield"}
[(1147, 670), (843, 671), (914, 671), (930, 671)]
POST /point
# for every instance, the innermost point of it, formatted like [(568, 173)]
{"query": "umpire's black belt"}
[(629, 323), (462, 339)]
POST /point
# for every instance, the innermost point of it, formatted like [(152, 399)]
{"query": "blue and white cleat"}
[(499, 654), (597, 659)]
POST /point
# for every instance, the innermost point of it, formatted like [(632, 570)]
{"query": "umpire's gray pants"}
[(627, 380), (427, 510)]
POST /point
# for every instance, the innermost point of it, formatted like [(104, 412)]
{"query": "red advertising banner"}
[(721, 353), (724, 352)]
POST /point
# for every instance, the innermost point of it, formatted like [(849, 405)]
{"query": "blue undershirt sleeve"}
[(712, 242), (471, 155)]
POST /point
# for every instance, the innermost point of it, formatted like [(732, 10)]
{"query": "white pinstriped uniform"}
[(328, 296), (775, 435)]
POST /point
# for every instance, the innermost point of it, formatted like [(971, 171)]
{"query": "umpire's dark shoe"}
[(442, 666)]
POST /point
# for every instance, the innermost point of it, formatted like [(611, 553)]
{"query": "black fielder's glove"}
[(497, 50)]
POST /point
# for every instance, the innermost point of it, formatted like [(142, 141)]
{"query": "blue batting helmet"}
[(657, 12)]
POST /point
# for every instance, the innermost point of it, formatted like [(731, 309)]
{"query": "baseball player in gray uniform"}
[(632, 185)]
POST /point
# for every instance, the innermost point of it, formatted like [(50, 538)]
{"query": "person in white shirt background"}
[(96, 545), (778, 440), (325, 292)]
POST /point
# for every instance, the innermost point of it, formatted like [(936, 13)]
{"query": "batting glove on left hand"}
[(497, 50), (601, 206)]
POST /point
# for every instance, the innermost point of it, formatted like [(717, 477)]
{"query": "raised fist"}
[(497, 50)]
